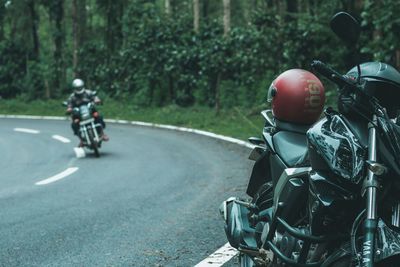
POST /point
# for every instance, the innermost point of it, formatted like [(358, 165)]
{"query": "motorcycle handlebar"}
[(332, 75)]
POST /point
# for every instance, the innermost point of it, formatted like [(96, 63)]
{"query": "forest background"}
[(161, 58)]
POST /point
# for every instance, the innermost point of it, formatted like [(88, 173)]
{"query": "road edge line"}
[(145, 124)]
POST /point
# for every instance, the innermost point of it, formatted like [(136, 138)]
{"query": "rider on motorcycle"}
[(81, 96)]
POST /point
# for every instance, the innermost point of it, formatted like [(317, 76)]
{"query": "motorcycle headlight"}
[(348, 157)]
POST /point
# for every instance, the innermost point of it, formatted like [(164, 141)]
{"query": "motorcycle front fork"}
[(396, 215), (370, 187)]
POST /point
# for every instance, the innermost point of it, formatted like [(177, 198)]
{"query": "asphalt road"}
[(151, 199)]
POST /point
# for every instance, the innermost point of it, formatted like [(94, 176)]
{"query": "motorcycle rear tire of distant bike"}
[(264, 200)]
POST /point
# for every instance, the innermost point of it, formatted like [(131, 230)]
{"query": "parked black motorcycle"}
[(327, 195)]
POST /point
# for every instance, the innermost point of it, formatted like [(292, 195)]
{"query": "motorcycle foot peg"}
[(252, 251), (248, 205)]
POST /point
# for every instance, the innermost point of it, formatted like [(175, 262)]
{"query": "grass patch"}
[(236, 122)]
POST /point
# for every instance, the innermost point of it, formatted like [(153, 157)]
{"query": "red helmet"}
[(297, 96)]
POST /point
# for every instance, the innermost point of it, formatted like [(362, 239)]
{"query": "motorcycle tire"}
[(96, 149), (95, 146)]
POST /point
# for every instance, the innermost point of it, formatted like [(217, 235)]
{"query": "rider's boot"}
[(105, 137)]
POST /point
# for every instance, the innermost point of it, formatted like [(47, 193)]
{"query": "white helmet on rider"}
[(78, 86)]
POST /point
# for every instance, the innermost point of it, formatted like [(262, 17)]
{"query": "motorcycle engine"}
[(287, 244)]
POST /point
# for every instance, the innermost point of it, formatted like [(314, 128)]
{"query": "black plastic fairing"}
[(332, 140), (260, 174), (378, 71)]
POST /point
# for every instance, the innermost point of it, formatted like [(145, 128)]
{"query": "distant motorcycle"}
[(90, 131), (325, 194)]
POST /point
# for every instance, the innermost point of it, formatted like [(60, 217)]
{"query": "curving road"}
[(151, 199)]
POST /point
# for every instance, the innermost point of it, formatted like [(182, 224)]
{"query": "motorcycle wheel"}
[(96, 150), (95, 146)]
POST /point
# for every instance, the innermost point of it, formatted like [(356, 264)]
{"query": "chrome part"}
[(371, 203), (376, 168), (96, 135), (85, 134), (371, 180), (268, 116), (396, 215), (84, 122), (248, 205)]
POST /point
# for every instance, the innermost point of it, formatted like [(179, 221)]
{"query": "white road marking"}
[(24, 130), (57, 177), (61, 138), (79, 152), (30, 117), (219, 257)]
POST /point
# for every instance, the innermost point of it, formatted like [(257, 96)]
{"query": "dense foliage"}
[(133, 49)]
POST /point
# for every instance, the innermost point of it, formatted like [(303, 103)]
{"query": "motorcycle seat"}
[(292, 127), (290, 146)]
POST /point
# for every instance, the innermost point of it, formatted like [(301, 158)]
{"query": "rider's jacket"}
[(76, 100)]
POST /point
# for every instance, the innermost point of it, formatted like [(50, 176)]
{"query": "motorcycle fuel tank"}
[(333, 147)]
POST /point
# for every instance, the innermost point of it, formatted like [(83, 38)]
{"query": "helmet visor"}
[(271, 92)]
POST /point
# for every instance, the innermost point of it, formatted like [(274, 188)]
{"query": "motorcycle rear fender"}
[(260, 174)]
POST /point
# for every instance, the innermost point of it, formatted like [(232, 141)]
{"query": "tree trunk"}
[(205, 11), (114, 25), (292, 9), (57, 17), (168, 8), (227, 17), (2, 15), (34, 29), (74, 14), (79, 32), (196, 15), (217, 94)]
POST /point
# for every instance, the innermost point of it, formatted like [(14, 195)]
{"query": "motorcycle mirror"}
[(346, 27)]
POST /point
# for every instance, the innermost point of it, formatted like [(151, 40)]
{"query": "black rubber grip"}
[(324, 69), (331, 74)]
